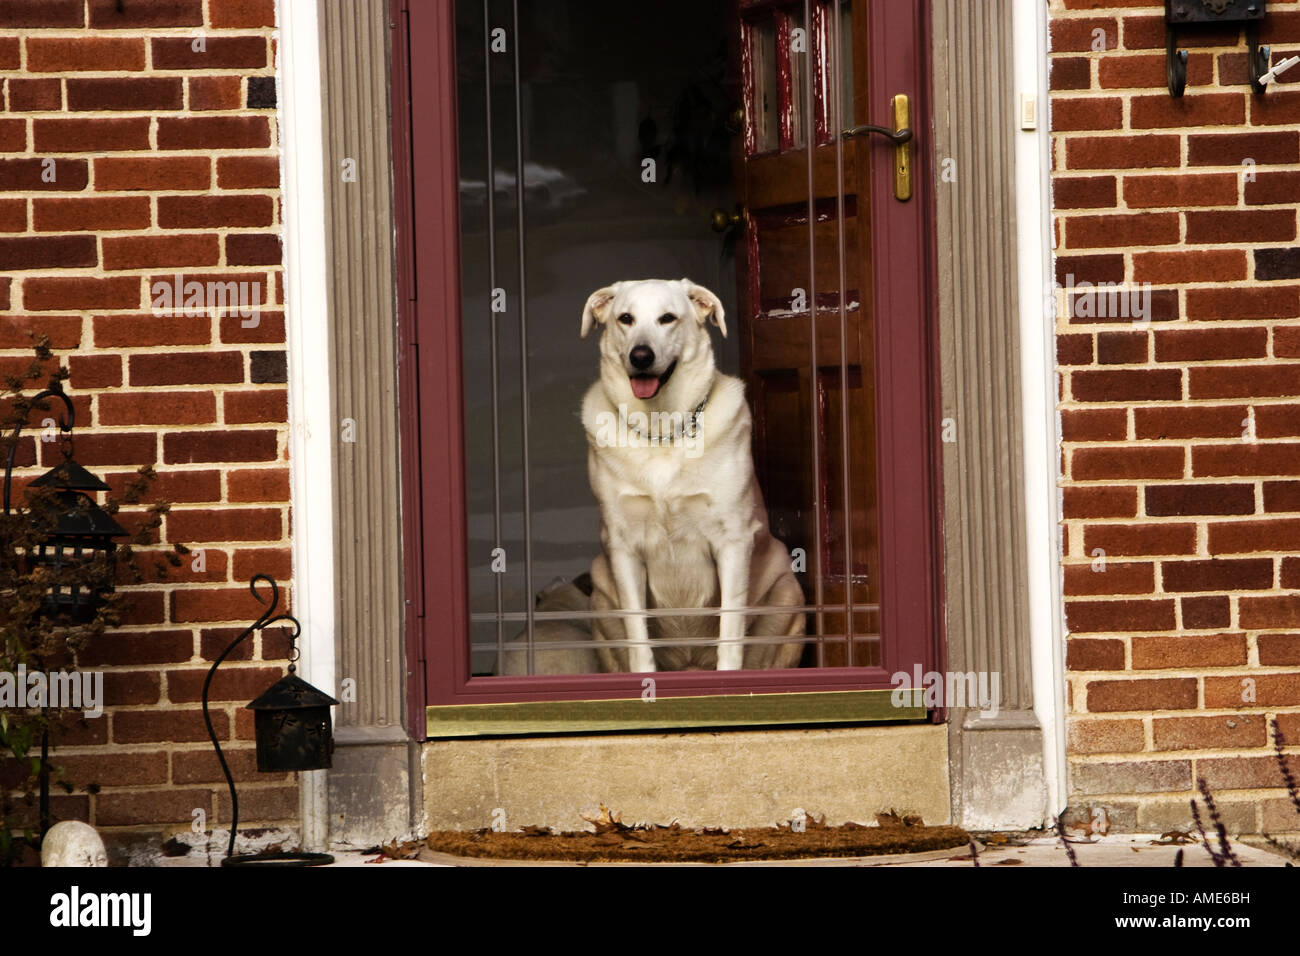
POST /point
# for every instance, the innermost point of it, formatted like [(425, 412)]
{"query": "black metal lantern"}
[(292, 725), (83, 534)]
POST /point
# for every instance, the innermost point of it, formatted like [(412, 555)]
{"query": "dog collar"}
[(693, 425), (691, 428)]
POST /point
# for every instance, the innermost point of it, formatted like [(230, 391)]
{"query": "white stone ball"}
[(73, 843)]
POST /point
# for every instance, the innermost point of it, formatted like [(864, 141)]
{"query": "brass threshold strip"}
[(540, 718)]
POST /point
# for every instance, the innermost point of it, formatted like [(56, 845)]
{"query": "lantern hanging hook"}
[(69, 420), (267, 617), (295, 653)]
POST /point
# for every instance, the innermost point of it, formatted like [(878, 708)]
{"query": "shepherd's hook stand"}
[(65, 426), (269, 617)]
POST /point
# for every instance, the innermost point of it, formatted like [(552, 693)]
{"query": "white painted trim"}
[(311, 432), (1038, 396)]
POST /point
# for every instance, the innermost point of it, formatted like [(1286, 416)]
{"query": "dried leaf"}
[(895, 819), (606, 821), (1094, 826), (399, 850)]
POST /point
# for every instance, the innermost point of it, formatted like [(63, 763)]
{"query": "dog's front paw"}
[(642, 659), (731, 657)]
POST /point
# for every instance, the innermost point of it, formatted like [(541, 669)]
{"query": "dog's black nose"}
[(642, 357)]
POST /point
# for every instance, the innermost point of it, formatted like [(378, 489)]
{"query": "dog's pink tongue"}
[(645, 387)]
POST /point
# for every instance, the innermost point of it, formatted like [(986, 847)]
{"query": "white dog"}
[(682, 518)]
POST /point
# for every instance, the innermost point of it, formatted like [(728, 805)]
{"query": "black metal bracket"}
[(1182, 13), (1175, 63), (1257, 56)]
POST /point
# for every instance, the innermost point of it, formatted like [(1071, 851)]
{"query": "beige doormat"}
[(615, 841)]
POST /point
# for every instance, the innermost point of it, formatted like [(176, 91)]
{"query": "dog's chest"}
[(679, 520), (663, 500), (675, 536)]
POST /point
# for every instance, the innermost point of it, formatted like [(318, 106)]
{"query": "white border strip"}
[(1038, 394), (311, 433)]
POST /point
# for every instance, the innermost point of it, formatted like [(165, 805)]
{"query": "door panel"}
[(809, 349)]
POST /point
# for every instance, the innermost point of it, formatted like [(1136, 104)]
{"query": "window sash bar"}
[(838, 95), (523, 342), (483, 617), (752, 641), (492, 284), (813, 379)]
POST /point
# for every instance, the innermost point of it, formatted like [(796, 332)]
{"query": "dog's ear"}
[(707, 305), (597, 306)]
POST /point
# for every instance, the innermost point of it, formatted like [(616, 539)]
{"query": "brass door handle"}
[(901, 136), (721, 220)]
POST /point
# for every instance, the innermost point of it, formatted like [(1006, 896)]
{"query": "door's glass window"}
[(847, 92), (584, 164), (797, 46), (767, 91)]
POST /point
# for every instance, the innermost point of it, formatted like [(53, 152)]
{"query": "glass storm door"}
[(553, 155)]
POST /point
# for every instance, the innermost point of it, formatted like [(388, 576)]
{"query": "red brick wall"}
[(165, 161), (1181, 455)]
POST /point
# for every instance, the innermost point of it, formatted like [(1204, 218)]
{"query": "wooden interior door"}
[(813, 394)]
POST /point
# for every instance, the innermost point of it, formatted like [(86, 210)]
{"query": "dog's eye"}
[(626, 318), (667, 318)]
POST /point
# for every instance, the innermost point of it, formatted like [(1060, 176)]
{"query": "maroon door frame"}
[(907, 339), (426, 180)]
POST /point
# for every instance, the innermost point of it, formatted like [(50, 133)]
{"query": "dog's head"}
[(650, 327)]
